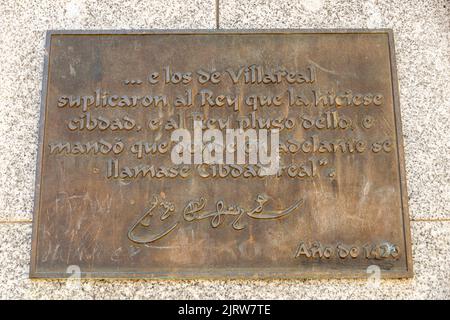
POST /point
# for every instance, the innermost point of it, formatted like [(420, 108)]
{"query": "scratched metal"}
[(351, 216)]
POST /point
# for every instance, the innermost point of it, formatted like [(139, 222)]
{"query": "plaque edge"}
[(38, 173), (224, 274)]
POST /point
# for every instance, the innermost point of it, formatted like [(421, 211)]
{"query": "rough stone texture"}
[(422, 33), (22, 36), (431, 244)]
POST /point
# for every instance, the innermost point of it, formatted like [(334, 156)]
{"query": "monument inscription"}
[(220, 154)]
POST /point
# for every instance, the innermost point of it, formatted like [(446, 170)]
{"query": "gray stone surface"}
[(22, 34), (431, 254), (422, 32)]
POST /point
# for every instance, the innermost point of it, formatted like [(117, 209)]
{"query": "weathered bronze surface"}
[(336, 208)]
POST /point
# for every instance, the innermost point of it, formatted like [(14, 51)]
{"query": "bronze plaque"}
[(112, 200)]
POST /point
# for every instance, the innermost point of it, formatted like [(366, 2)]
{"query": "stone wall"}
[(422, 34)]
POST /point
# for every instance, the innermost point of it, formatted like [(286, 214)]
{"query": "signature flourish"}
[(143, 232)]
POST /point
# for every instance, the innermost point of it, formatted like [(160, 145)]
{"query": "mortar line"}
[(217, 14), (15, 221), (430, 220)]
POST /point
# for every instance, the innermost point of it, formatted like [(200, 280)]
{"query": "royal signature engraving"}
[(317, 250), (195, 211)]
